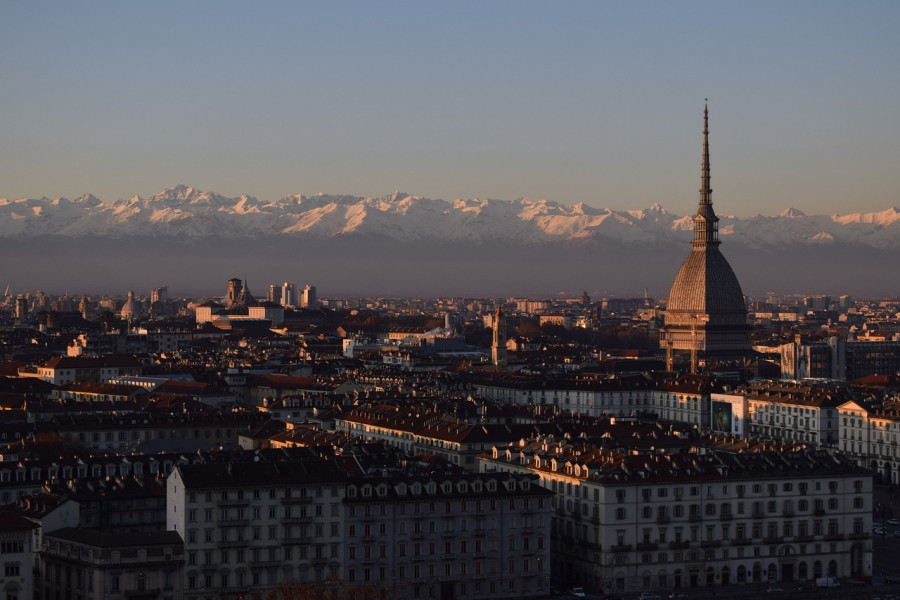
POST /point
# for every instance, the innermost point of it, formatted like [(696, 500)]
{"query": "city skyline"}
[(583, 102)]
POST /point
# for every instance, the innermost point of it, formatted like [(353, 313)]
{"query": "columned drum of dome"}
[(705, 313)]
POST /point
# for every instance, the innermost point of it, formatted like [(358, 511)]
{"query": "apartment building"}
[(78, 564), (463, 536), (18, 539), (870, 435), (416, 428), (663, 518), (297, 516), (678, 398), (249, 525)]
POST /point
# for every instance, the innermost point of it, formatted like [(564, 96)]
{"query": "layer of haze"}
[(595, 102)]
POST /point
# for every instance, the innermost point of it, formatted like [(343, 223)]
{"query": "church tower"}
[(705, 313), (498, 346)]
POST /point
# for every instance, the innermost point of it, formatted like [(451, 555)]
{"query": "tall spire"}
[(706, 223), (705, 189)]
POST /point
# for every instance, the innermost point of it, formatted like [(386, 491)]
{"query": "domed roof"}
[(130, 308), (706, 284)]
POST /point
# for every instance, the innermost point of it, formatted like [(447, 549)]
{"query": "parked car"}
[(674, 595), (577, 591), (649, 596), (773, 589)]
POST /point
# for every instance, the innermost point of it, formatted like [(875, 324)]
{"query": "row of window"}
[(226, 515), (725, 509), (451, 569), (237, 534), (317, 491), (772, 529), (271, 554)]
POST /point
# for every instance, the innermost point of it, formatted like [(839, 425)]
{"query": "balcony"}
[(663, 519), (620, 548), (757, 513), (819, 512), (858, 536), (295, 520), (803, 538), (233, 503), (726, 517), (711, 544), (679, 545), (297, 500), (647, 546), (138, 594), (774, 539), (834, 537), (695, 518), (296, 539), (234, 591), (741, 542)]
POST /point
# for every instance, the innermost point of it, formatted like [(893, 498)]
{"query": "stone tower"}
[(498, 346)]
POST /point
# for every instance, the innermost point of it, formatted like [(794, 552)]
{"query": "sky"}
[(576, 101)]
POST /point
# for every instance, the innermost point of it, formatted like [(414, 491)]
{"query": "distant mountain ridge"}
[(187, 213)]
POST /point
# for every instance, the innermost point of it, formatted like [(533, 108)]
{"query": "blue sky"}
[(594, 102)]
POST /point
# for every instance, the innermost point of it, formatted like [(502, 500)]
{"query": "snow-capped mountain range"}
[(188, 213)]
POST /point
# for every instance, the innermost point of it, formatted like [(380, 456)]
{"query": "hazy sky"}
[(595, 102)]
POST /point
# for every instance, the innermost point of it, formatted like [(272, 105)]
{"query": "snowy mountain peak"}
[(88, 199), (792, 213), (186, 212)]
